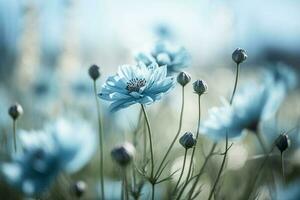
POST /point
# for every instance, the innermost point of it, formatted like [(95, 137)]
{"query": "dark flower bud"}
[(79, 188), (283, 142), (123, 154), (183, 78), (94, 72), (15, 111), (239, 55), (187, 140), (200, 87)]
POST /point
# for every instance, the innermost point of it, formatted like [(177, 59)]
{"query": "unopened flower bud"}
[(200, 87), (79, 188), (15, 111), (239, 55), (283, 142), (163, 59), (123, 154), (183, 78), (187, 140), (94, 72)]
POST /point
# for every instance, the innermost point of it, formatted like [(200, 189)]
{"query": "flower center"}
[(135, 84)]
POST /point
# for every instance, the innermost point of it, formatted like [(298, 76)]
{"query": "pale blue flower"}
[(136, 84), (62, 146), (252, 104), (289, 192), (165, 53)]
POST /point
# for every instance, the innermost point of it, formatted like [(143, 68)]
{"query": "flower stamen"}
[(135, 84)]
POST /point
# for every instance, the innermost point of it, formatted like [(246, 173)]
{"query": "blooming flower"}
[(252, 104), (62, 146), (165, 53), (136, 84)]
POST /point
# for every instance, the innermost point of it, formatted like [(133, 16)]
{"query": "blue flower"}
[(165, 53), (289, 192), (62, 146), (252, 104), (136, 84)]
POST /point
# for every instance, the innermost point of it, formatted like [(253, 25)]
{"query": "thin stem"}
[(182, 170), (221, 169), (153, 191), (226, 142), (201, 170), (235, 83), (282, 167), (15, 137), (100, 129), (197, 135), (175, 138), (261, 142), (150, 139), (125, 184)]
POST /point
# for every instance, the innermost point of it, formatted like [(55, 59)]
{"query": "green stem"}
[(235, 83), (226, 142), (202, 169), (175, 138), (100, 129), (182, 170), (282, 167), (125, 183), (15, 136), (150, 140), (197, 135), (153, 191)]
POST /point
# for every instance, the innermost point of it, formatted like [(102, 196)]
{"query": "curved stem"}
[(226, 142), (150, 139), (202, 169), (197, 135), (15, 137), (235, 83), (182, 170), (100, 129), (175, 138), (221, 169)]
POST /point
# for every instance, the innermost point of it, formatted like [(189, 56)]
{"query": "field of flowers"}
[(111, 100)]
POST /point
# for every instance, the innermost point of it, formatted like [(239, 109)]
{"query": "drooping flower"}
[(62, 146), (136, 84), (164, 53), (252, 104)]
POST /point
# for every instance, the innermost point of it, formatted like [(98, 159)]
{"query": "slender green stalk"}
[(125, 183), (175, 138), (235, 83), (282, 167), (15, 136), (197, 135), (153, 191), (182, 170), (202, 169), (226, 142), (150, 140), (100, 129)]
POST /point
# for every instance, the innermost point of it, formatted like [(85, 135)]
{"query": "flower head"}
[(94, 72), (283, 142), (123, 154), (188, 140), (200, 87), (165, 53), (252, 104), (136, 84), (239, 55), (62, 146), (183, 78), (15, 111)]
